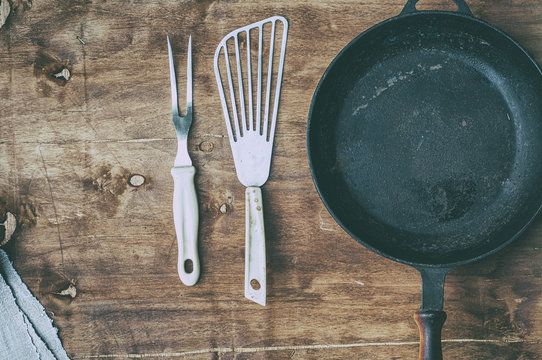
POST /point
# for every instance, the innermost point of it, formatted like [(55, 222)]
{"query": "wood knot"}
[(206, 146), (10, 224), (136, 180), (70, 291), (224, 208), (16, 213), (53, 67), (63, 74)]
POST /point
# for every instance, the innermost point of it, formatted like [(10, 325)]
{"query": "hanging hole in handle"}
[(430, 5), (255, 284), (458, 6), (188, 266)]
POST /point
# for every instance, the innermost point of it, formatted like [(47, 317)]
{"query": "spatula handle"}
[(255, 263), (186, 218)]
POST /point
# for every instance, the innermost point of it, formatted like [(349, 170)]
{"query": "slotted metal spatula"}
[(252, 61)]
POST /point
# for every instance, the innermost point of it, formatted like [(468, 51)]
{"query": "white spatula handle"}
[(255, 266), (185, 215)]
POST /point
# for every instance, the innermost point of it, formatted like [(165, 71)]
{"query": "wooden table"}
[(69, 148)]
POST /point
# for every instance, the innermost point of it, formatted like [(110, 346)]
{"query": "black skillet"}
[(425, 143)]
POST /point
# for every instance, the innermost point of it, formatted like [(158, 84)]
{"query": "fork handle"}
[(255, 263), (186, 217)]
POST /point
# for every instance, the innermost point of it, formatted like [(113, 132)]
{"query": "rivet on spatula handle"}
[(255, 264)]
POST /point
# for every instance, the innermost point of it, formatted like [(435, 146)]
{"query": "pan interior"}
[(424, 139)]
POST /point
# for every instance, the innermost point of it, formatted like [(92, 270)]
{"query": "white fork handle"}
[(255, 266), (185, 216)]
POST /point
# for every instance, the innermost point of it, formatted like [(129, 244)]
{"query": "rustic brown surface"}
[(68, 148)]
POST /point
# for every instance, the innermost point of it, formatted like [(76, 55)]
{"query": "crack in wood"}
[(82, 142), (54, 206), (225, 350)]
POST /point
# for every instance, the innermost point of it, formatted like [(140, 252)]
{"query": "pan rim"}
[(323, 196)]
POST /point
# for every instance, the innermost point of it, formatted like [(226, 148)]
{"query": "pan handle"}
[(462, 7), (430, 318), (430, 325)]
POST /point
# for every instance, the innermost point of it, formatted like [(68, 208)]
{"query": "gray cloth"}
[(26, 332)]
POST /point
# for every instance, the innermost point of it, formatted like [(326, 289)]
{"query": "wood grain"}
[(68, 149)]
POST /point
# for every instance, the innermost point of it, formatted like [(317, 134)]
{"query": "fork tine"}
[(189, 76), (173, 79)]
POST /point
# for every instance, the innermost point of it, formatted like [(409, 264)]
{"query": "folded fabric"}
[(26, 332)]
